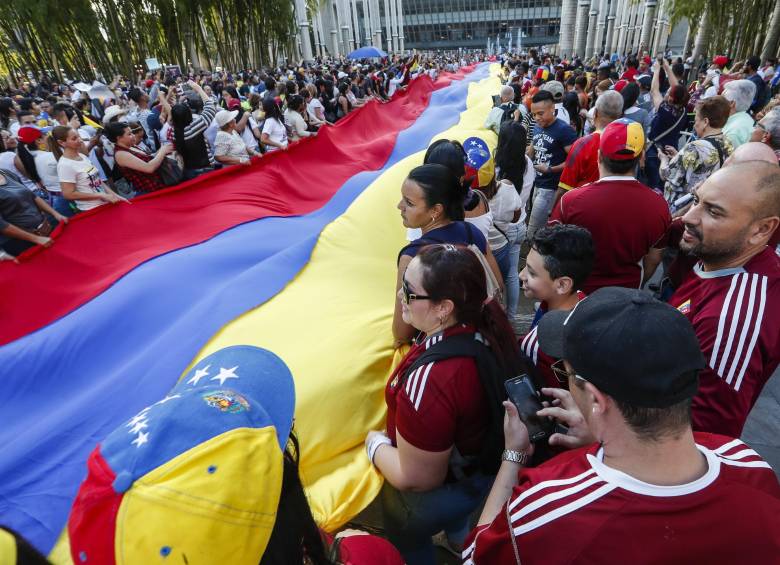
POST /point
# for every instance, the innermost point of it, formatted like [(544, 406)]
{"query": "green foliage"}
[(109, 37)]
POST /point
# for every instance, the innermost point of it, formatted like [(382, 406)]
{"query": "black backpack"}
[(492, 375), (509, 112)]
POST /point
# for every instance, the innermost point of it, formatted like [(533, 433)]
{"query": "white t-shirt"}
[(249, 138), (230, 145), (85, 176), (7, 163), (296, 123), (312, 107), (503, 206), (46, 165), (276, 131)]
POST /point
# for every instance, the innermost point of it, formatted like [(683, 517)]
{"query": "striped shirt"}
[(735, 315), (576, 509)]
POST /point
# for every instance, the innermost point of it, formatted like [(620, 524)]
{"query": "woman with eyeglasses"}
[(432, 200), (438, 413)]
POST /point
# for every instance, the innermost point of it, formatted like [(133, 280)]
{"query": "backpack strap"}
[(422, 242), (718, 147)]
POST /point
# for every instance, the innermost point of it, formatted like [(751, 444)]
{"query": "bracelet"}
[(375, 443), (520, 457)]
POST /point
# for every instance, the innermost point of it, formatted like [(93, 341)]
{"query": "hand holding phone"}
[(524, 396)]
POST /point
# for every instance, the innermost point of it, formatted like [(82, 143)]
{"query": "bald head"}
[(757, 182), (752, 151), (507, 93)]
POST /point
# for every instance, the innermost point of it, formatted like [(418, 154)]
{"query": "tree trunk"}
[(702, 38), (773, 34)]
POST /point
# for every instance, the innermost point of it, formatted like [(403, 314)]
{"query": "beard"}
[(712, 251)]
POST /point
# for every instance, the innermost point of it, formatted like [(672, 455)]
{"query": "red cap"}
[(149, 83), (622, 139), (234, 103), (620, 85), (647, 60), (720, 60), (28, 134)]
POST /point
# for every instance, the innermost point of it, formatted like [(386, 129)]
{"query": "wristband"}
[(375, 443)]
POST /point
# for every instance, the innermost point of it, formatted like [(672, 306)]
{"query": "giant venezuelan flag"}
[(295, 253)]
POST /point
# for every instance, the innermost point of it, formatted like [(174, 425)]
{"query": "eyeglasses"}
[(560, 372), (760, 126), (409, 296)]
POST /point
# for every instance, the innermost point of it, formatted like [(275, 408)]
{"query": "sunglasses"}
[(409, 296), (560, 372)]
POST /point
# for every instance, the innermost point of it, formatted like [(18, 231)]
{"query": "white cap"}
[(223, 117), (342, 74), (112, 112)]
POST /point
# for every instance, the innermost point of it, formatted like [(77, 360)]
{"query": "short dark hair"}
[(567, 251), (543, 96), (754, 62), (716, 109), (653, 424), (114, 130), (618, 166)]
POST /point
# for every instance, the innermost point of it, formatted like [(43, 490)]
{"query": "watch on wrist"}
[(520, 457)]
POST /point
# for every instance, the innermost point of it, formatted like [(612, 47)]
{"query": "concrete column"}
[(609, 40), (601, 28), (647, 23), (388, 29), (330, 26), (303, 29), (581, 27), (661, 28), (394, 24), (377, 23), (568, 20), (702, 39), (401, 25), (368, 23), (355, 23), (620, 25), (593, 15)]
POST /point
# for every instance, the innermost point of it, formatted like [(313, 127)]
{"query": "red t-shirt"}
[(735, 315), (629, 74), (582, 162), (440, 404), (575, 509), (626, 220)]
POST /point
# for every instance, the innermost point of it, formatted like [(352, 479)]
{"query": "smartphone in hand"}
[(525, 397)]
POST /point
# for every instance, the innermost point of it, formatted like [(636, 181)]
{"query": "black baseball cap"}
[(629, 345)]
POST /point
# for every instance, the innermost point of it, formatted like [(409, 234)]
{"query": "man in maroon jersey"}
[(732, 296), (643, 488), (582, 162), (628, 220)]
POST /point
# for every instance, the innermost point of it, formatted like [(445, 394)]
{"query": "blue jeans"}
[(508, 258), (543, 203), (411, 518), (652, 176), (61, 205)]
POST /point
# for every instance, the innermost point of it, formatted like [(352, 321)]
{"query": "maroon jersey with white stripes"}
[(440, 404), (529, 345), (575, 509), (735, 313)]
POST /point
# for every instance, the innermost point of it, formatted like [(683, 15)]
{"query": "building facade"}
[(567, 27)]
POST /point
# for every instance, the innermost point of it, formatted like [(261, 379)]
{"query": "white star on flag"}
[(474, 143), (167, 398), (138, 417), (225, 374), (141, 439), (139, 426), (199, 374)]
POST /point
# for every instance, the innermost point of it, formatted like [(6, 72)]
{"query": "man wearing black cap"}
[(644, 488)]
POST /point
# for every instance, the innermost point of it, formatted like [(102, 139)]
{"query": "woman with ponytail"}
[(432, 200), (439, 412)]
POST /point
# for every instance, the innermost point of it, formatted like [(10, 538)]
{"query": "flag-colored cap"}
[(542, 73), (195, 477), (622, 139), (480, 166)]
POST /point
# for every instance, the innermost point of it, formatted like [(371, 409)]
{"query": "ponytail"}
[(58, 133), (27, 159), (441, 186)]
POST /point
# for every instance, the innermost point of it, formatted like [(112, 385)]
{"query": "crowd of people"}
[(77, 149), (637, 206)]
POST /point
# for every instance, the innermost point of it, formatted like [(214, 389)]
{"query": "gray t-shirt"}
[(17, 206)]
